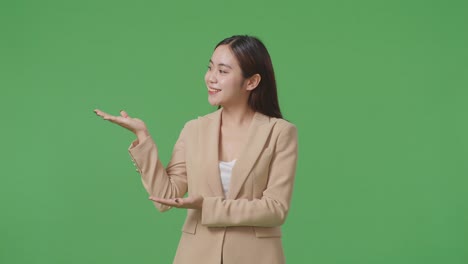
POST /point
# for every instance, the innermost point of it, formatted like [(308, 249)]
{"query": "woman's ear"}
[(253, 81)]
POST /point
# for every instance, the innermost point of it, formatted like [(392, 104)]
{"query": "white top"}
[(225, 169)]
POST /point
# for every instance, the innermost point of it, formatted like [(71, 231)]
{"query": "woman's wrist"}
[(142, 135)]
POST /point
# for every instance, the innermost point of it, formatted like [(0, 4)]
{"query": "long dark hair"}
[(253, 58)]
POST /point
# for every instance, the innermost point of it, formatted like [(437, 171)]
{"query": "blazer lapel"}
[(258, 134), (208, 137)]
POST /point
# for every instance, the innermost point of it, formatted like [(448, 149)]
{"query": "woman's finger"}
[(169, 202), (123, 113), (159, 200), (106, 116), (102, 114), (99, 112), (115, 119)]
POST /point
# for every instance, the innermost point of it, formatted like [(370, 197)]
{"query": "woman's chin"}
[(213, 102)]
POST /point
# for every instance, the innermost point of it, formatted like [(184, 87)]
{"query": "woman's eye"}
[(209, 67), (221, 71)]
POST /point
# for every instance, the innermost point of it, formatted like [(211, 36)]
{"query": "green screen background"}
[(377, 89)]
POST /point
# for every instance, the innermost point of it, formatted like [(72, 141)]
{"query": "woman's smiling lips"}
[(213, 90)]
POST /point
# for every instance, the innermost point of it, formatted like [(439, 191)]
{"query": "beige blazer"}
[(243, 227)]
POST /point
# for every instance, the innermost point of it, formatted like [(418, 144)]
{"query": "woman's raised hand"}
[(137, 126)]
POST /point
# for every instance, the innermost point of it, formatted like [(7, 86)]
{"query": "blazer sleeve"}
[(169, 182), (272, 208)]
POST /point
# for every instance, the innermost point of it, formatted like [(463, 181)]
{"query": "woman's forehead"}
[(223, 55)]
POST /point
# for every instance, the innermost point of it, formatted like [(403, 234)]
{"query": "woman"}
[(237, 164)]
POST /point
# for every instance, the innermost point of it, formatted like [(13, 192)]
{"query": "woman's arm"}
[(170, 182), (158, 181), (272, 208)]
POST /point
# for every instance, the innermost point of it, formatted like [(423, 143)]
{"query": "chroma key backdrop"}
[(377, 89)]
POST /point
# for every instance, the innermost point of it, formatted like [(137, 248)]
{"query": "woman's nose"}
[(211, 76)]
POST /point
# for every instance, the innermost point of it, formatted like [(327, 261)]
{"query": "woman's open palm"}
[(135, 125)]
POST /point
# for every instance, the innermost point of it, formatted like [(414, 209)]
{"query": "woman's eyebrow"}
[(222, 64)]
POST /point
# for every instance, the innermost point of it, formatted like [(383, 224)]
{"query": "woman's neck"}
[(240, 116)]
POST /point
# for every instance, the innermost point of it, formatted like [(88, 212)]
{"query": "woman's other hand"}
[(137, 126), (195, 202)]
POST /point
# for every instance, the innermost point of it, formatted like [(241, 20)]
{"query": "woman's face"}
[(224, 80)]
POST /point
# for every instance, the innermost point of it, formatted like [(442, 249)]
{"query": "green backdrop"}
[(377, 89)]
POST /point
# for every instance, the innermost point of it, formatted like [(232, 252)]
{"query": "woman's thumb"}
[(123, 113)]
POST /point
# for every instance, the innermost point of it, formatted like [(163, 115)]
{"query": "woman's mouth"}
[(213, 90)]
